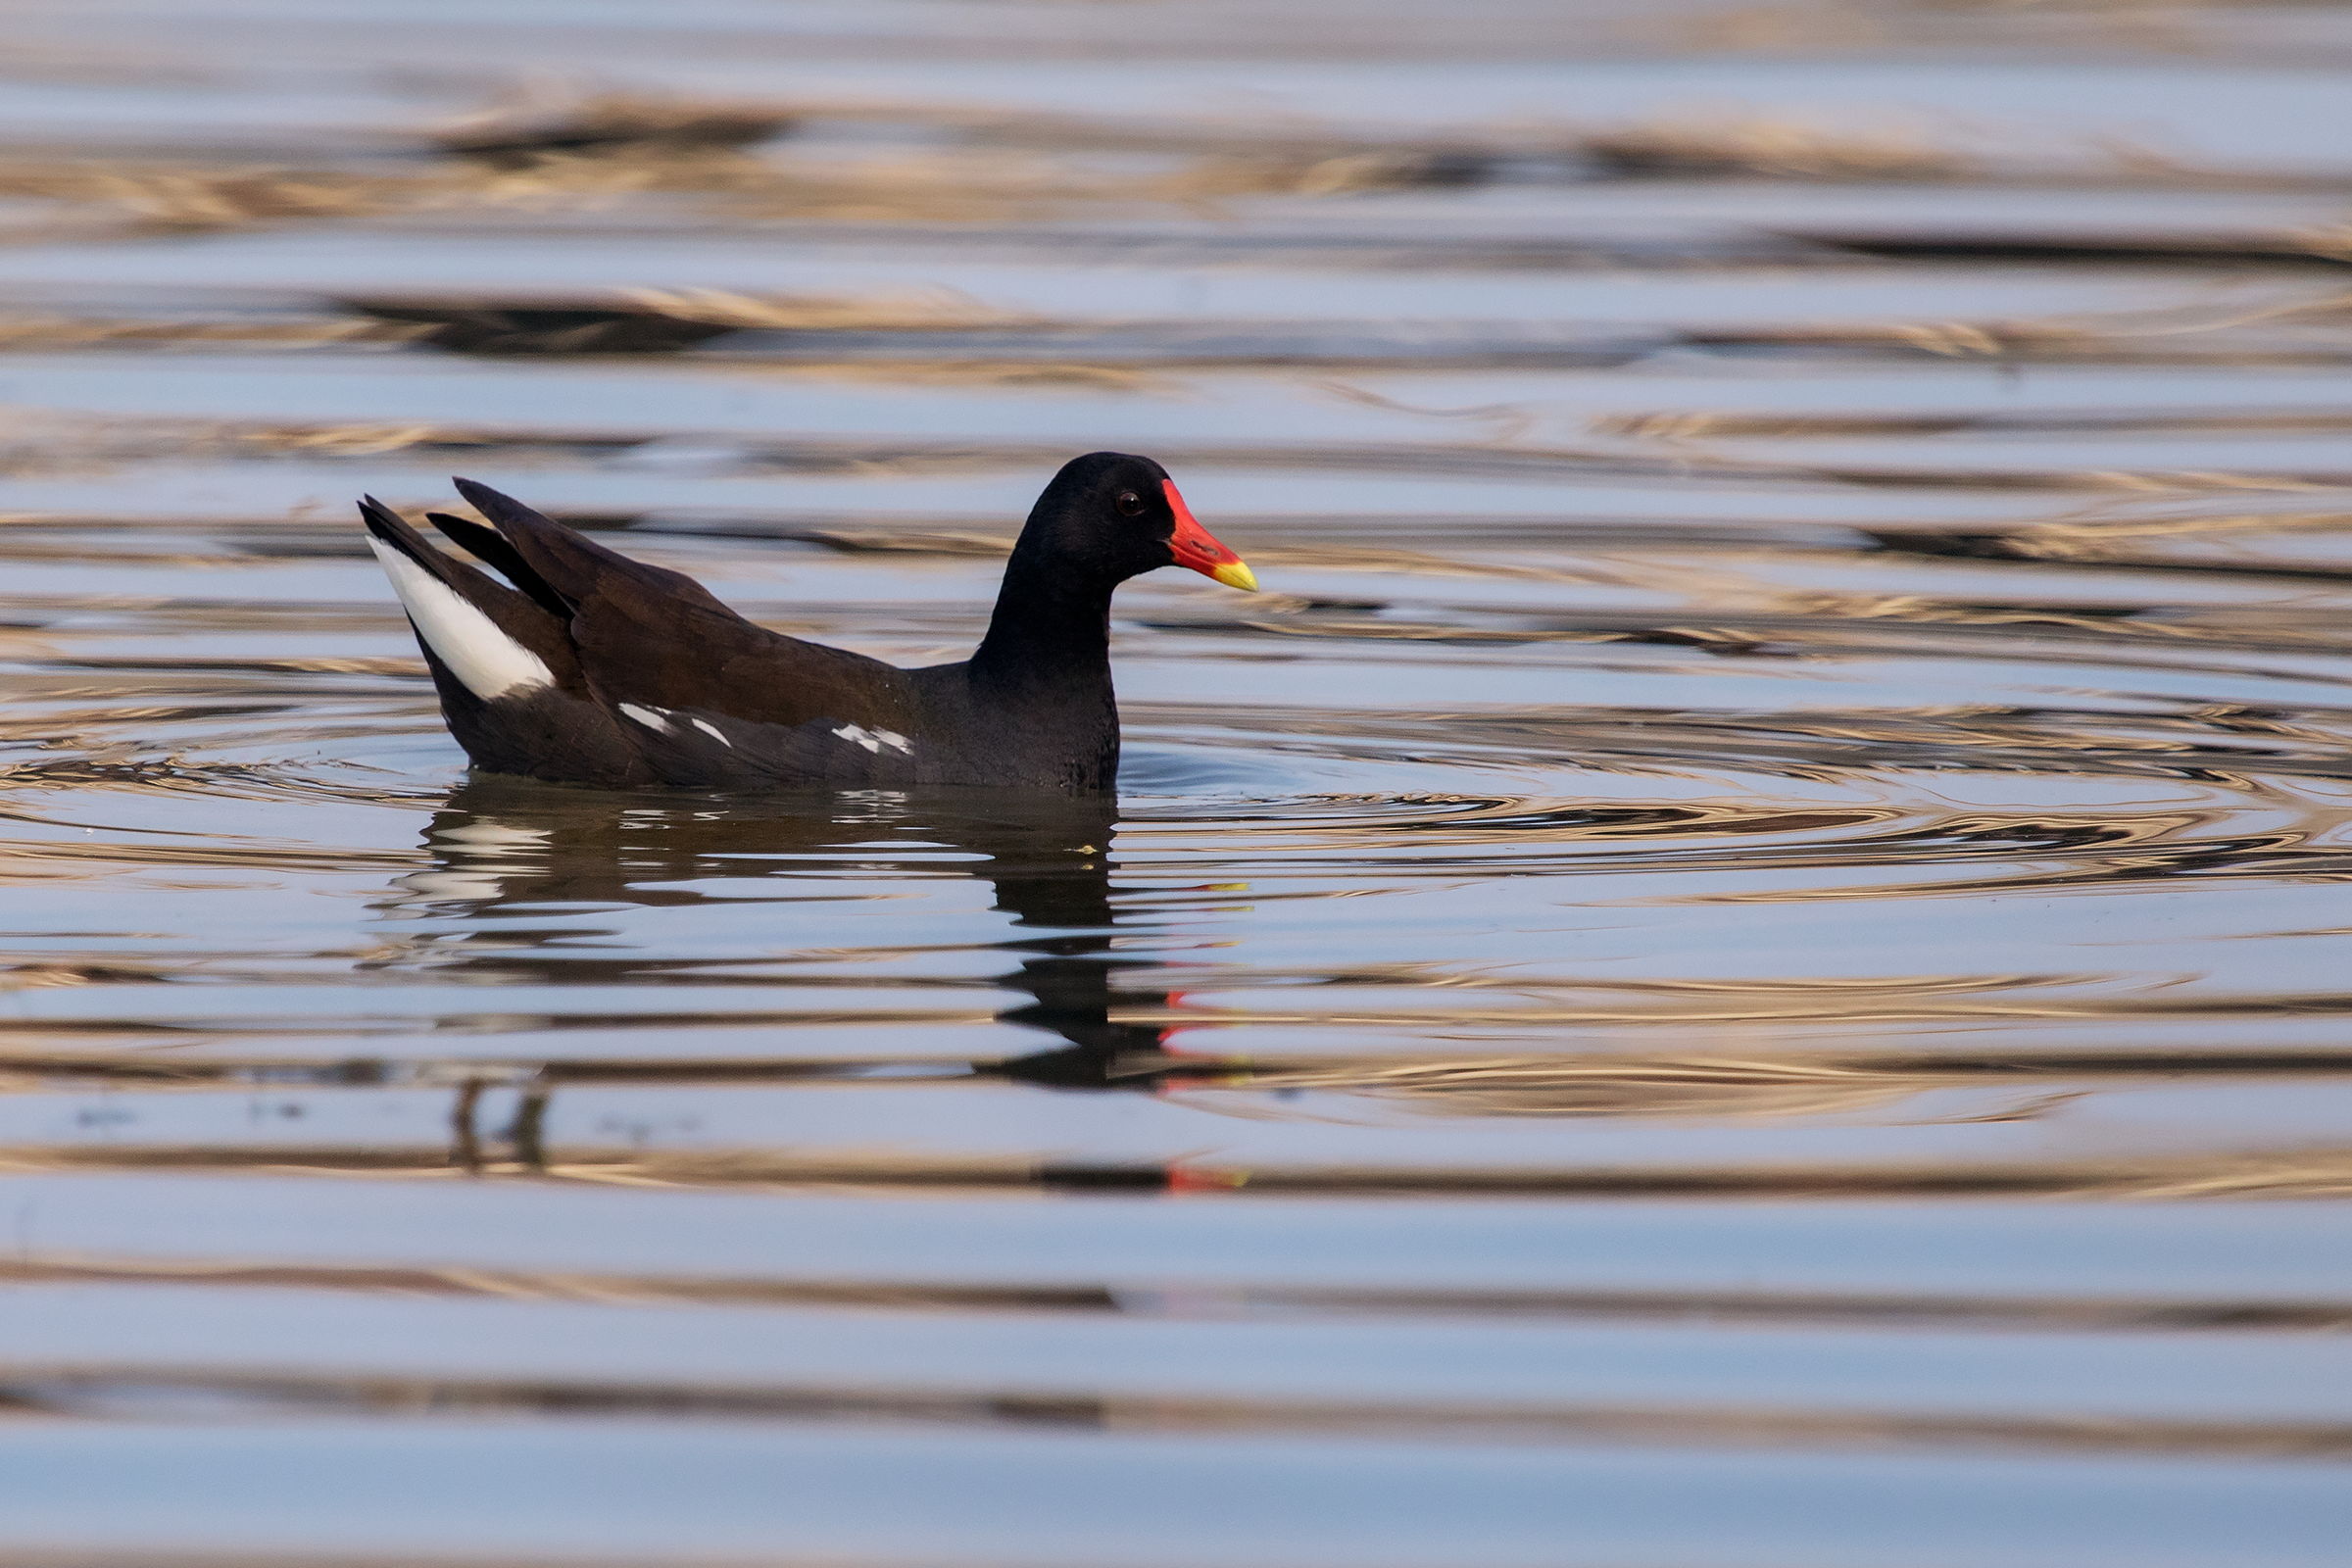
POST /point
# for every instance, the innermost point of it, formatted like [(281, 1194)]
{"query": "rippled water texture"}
[(1744, 964)]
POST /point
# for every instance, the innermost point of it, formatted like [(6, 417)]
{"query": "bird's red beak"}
[(1195, 546)]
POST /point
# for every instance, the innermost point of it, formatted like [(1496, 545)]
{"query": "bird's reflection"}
[(507, 849)]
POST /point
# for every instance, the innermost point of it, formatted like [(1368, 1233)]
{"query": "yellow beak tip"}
[(1235, 574)]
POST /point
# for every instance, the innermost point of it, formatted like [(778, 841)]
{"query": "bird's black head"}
[(1108, 516)]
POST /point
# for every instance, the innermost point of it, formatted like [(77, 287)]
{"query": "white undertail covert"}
[(486, 661)]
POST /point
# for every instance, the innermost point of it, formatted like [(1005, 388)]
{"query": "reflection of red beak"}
[(1194, 547)]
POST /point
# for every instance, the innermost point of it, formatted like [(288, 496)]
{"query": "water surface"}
[(1743, 962)]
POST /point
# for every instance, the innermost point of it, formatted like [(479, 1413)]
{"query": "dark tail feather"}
[(393, 529), (520, 645), (514, 614), (570, 563), (489, 546), (499, 507)]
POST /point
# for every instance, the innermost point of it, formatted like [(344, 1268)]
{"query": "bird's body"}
[(593, 669)]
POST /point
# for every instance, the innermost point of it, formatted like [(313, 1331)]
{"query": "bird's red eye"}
[(1130, 503)]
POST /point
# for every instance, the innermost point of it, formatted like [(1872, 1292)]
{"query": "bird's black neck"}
[(1051, 633), (1042, 675)]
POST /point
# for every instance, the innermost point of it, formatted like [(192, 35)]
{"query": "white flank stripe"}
[(856, 734), (486, 661), (892, 738), (650, 717), (711, 730)]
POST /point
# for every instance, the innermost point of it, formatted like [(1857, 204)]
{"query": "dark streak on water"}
[(1743, 961)]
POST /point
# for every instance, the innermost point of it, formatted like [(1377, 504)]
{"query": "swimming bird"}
[(585, 666)]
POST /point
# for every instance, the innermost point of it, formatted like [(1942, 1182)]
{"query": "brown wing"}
[(659, 639)]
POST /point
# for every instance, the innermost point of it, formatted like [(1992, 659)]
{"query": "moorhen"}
[(593, 669)]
